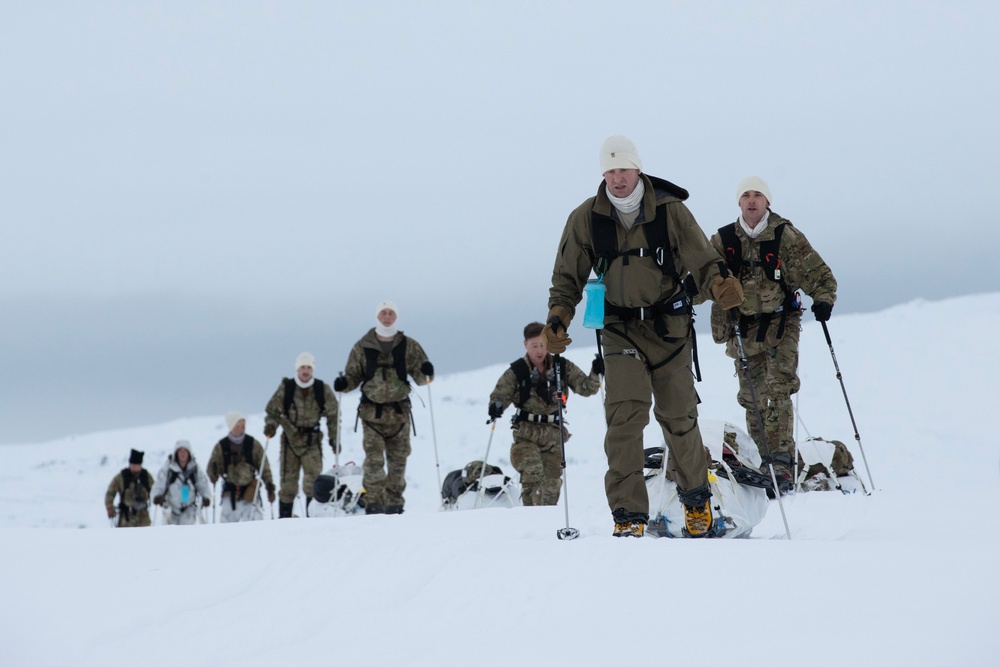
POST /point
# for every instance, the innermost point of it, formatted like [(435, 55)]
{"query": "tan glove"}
[(727, 292), (270, 493), (554, 335)]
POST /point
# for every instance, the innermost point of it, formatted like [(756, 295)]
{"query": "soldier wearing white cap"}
[(298, 406), (379, 363), (236, 460)]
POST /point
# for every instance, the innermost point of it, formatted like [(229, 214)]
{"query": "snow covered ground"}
[(907, 575)]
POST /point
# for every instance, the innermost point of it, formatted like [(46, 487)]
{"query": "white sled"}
[(820, 452), (736, 507), (492, 490), (338, 492)]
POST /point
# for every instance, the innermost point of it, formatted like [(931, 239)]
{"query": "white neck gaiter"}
[(631, 203), (759, 229), (386, 332), (304, 385)]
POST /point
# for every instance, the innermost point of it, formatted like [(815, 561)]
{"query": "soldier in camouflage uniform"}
[(297, 406), (530, 385), (236, 459), (379, 363), (641, 239), (773, 260), (132, 486)]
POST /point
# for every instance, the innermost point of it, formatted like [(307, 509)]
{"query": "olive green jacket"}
[(637, 282)]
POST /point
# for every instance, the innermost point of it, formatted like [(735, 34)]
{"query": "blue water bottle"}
[(593, 316), (185, 493)]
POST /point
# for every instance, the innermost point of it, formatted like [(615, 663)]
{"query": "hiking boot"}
[(373, 508), (629, 529), (697, 520), (783, 474), (393, 509), (284, 510)]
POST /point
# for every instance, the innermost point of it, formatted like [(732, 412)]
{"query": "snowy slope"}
[(904, 576)]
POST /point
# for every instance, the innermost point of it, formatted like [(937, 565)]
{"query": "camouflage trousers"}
[(537, 455), (773, 369), (136, 518), (387, 446), (299, 457), (635, 382)]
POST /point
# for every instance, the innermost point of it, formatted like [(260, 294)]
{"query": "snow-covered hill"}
[(904, 576)]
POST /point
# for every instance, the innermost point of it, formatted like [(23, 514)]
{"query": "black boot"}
[(284, 510), (393, 509), (308, 502), (372, 508)]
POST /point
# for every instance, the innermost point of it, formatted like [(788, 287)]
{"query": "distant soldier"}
[(181, 487), (530, 385), (380, 363), (237, 459), (132, 486), (297, 406), (772, 260)]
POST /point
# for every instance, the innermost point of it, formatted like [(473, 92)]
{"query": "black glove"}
[(334, 446), (496, 409), (597, 368), (270, 430), (427, 368), (340, 384), (157, 500), (205, 502), (822, 310)]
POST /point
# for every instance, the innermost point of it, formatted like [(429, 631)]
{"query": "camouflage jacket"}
[(639, 281), (385, 386), (802, 270), (542, 397), (240, 471), (135, 497), (801, 267), (300, 425)]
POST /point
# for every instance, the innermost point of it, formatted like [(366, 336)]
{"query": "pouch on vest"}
[(593, 316)]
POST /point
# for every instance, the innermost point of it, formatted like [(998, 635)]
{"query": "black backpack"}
[(227, 452), (319, 393), (523, 374), (398, 362)]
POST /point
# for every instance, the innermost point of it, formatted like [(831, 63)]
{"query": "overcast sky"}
[(193, 193)]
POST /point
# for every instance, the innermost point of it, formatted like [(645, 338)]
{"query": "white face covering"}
[(759, 229), (386, 332), (631, 203), (304, 385)]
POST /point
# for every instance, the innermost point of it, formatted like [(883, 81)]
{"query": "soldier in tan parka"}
[(132, 486), (773, 260), (379, 363), (297, 406), (530, 385), (643, 242)]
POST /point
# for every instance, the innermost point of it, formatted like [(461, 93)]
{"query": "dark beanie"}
[(135, 457)]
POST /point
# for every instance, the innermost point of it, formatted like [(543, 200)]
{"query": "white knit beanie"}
[(618, 152), (386, 305), (304, 359), (751, 183), (231, 419)]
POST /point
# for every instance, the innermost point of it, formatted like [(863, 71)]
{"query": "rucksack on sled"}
[(339, 492), (466, 489), (825, 465), (739, 499)]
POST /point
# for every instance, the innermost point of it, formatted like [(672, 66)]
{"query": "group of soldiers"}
[(381, 364), (654, 263)]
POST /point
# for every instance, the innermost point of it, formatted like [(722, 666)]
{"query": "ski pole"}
[(215, 492), (566, 533), (745, 365), (857, 437), (340, 422), (437, 462), (482, 471), (260, 479)]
